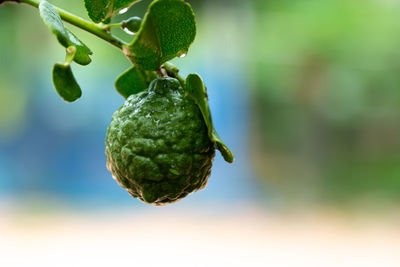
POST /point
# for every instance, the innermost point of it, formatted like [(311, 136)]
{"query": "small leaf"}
[(167, 31), (131, 82), (104, 10), (197, 90), (65, 83), (66, 38)]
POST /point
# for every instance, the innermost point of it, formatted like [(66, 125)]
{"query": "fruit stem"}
[(174, 72), (162, 73), (95, 29)]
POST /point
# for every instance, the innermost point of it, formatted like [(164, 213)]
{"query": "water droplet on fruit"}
[(122, 11), (129, 32)]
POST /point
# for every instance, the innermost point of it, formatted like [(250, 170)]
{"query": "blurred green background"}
[(326, 99), (305, 92)]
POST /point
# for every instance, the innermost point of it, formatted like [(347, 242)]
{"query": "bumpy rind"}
[(157, 145)]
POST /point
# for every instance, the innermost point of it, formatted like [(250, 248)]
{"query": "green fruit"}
[(157, 145), (132, 24)]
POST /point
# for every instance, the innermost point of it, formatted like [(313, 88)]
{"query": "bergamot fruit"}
[(157, 145)]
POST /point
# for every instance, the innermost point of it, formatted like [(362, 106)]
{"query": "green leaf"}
[(197, 90), (65, 83), (104, 10), (167, 31), (131, 82), (66, 38)]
